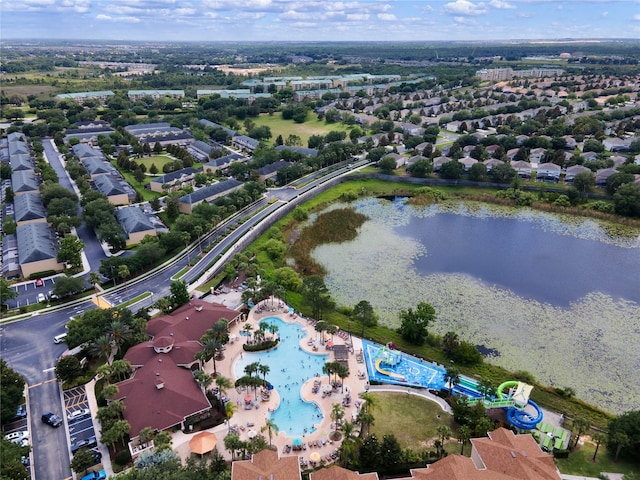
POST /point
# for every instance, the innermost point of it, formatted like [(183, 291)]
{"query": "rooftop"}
[(36, 242)]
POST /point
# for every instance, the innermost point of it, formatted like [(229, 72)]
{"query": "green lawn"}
[(580, 462), (312, 126), (413, 420), (159, 160)]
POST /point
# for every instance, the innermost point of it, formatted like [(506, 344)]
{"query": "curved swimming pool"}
[(290, 367)]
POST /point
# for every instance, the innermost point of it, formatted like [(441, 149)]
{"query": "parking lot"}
[(18, 428), (82, 433)]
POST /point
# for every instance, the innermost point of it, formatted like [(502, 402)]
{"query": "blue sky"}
[(319, 20)]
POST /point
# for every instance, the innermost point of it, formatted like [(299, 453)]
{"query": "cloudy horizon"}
[(318, 20)]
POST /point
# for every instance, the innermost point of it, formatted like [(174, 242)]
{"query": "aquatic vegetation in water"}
[(591, 346)]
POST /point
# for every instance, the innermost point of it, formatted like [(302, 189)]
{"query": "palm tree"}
[(581, 425), (101, 347), (452, 377), (229, 409), (598, 438), (464, 435), (320, 326), (146, 435), (203, 379), (342, 372), (210, 348), (486, 388), (220, 330), (162, 441), (123, 272), (223, 383), (327, 369), (120, 369), (94, 279), (264, 369), (444, 434), (270, 427), (119, 333), (247, 327), (619, 439), (337, 413)]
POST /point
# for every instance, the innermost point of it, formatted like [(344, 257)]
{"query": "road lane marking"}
[(42, 383), (47, 370)]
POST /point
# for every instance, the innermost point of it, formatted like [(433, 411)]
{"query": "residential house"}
[(162, 392), (335, 472), (307, 152), (618, 144), (113, 188), (511, 153), (81, 97), (468, 162), (28, 208), (492, 162), (416, 158), (24, 181), (135, 223), (97, 166), (37, 249), (174, 180), (548, 172), (267, 465), (242, 142), (201, 150), (155, 94), (208, 194), (399, 159), (223, 163), (214, 125), (171, 138), (589, 156), (271, 170), (522, 168), (618, 160), (21, 161), (603, 174), (572, 171), (439, 161), (537, 154)]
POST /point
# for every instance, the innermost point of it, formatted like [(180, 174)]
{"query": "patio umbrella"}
[(252, 434), (315, 457), (329, 344), (248, 399), (297, 442), (203, 442)]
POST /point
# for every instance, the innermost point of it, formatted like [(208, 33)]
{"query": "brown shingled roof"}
[(267, 466), (334, 472)]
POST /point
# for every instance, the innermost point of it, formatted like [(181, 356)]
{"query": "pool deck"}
[(243, 419)]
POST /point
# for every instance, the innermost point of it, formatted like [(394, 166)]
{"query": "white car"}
[(21, 437), (41, 298), (78, 414)]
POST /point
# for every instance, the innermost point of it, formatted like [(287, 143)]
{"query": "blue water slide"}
[(522, 419)]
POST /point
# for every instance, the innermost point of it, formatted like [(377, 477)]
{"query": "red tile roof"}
[(268, 466), (334, 472)]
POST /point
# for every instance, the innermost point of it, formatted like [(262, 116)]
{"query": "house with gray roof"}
[(135, 223), (603, 174), (175, 138), (10, 263), (82, 97), (572, 171), (28, 208), (307, 152), (243, 142), (271, 170), (21, 161), (18, 146), (112, 188), (173, 181), (548, 172), (37, 249), (96, 166), (208, 194), (200, 150), (24, 181), (84, 150), (208, 123), (223, 163)]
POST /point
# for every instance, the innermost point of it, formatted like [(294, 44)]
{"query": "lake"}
[(557, 296)]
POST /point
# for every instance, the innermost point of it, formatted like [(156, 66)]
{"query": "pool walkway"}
[(255, 419)]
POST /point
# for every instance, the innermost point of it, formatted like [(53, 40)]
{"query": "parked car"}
[(59, 338), (85, 443), (97, 455), (53, 296), (52, 419), (39, 282), (21, 411), (41, 298), (98, 475), (78, 414), (21, 437)]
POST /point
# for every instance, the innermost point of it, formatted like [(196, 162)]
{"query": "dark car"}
[(52, 419), (97, 455), (84, 443)]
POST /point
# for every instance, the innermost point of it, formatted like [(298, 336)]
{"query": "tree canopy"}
[(415, 324)]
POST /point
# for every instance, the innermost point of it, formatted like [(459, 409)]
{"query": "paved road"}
[(27, 345)]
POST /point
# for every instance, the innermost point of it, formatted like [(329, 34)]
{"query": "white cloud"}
[(387, 17), (604, 14), (501, 4), (636, 17), (295, 15), (465, 7), (109, 18), (102, 16), (358, 16), (184, 11)]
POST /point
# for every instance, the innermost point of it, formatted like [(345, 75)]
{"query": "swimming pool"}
[(290, 368)]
